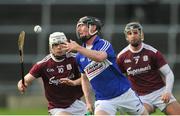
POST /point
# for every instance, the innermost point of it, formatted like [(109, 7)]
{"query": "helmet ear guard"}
[(57, 38), (134, 26)]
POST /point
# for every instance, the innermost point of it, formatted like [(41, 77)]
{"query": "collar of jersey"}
[(138, 50), (56, 60)]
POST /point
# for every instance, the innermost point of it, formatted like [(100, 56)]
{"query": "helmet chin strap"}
[(84, 39)]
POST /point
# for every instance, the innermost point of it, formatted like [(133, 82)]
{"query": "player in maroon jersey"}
[(149, 73), (61, 79)]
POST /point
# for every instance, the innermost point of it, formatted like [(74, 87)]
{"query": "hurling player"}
[(148, 71), (97, 62), (61, 79)]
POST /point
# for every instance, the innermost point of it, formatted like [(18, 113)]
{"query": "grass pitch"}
[(30, 111), (41, 111)]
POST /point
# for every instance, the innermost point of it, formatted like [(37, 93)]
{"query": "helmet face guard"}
[(134, 26), (57, 38), (89, 21)]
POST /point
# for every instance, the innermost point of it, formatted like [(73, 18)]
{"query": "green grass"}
[(41, 111), (157, 112), (30, 111)]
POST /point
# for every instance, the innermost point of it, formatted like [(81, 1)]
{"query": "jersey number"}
[(60, 70), (136, 60)]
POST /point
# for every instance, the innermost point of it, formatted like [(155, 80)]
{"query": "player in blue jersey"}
[(97, 62)]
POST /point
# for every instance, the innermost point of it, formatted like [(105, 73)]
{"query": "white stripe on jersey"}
[(148, 47), (105, 46), (44, 59), (123, 51)]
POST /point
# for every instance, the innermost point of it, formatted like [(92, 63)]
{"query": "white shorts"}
[(77, 108), (154, 99), (128, 102)]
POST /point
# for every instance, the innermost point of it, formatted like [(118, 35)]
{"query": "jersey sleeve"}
[(107, 47), (36, 70), (78, 63), (120, 63), (159, 60)]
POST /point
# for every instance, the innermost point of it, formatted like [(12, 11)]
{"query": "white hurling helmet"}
[(57, 38)]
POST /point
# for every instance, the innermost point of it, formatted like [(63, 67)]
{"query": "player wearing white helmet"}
[(61, 78), (147, 69), (57, 39)]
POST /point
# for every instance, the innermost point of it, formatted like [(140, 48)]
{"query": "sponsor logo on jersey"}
[(50, 70), (95, 68), (138, 71), (53, 81)]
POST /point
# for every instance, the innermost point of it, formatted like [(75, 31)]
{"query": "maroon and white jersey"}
[(142, 68), (51, 70)]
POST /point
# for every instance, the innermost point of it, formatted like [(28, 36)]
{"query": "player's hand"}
[(71, 46), (166, 97), (90, 108), (21, 87), (67, 81), (88, 113)]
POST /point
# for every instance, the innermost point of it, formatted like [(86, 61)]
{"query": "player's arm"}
[(87, 92), (120, 63), (92, 54), (168, 76), (27, 81), (98, 56), (169, 81), (70, 82)]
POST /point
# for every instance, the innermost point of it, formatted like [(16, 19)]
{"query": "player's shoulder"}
[(103, 41), (123, 51), (100, 41), (45, 59), (103, 45), (150, 48)]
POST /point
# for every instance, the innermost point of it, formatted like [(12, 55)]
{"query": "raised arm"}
[(91, 54)]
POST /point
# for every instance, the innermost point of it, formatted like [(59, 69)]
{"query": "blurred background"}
[(160, 19)]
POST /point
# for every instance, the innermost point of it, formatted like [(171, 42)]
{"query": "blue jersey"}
[(105, 77)]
